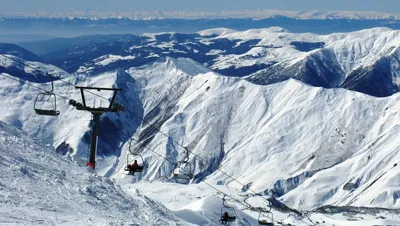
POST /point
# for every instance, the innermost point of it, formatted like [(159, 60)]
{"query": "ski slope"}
[(38, 187), (307, 146)]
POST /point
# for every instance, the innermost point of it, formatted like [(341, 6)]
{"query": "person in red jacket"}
[(134, 167)]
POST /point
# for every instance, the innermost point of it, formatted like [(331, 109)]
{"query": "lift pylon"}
[(96, 112)]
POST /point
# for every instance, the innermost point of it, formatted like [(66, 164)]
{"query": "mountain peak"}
[(186, 65)]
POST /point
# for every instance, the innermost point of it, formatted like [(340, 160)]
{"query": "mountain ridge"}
[(220, 118)]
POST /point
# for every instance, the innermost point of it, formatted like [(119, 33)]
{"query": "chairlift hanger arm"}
[(98, 88), (113, 99), (83, 98), (52, 84)]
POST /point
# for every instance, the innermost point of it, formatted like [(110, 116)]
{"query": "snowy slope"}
[(201, 205), (288, 140), (291, 133), (38, 187), (30, 70)]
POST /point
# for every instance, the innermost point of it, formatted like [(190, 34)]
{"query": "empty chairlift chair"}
[(46, 102), (183, 169), (266, 218)]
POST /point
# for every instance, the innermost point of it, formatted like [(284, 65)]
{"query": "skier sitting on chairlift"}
[(224, 218), (134, 167)]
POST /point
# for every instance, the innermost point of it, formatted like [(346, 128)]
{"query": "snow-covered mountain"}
[(308, 147), (277, 139), (365, 61), (272, 138)]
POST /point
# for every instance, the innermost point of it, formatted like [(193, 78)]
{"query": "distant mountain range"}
[(366, 61), (190, 15), (17, 28)]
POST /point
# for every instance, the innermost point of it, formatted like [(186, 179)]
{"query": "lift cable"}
[(142, 119), (153, 151)]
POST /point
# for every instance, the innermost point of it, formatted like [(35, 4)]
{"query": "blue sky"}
[(392, 6)]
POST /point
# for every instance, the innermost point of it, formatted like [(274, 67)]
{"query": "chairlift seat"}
[(231, 218), (134, 170), (182, 176), (263, 222), (47, 112), (140, 169)]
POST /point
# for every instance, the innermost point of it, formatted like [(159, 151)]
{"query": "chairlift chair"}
[(266, 218), (183, 169), (230, 211), (130, 160), (46, 102)]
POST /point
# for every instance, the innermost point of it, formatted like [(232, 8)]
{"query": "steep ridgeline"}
[(307, 146), (38, 187), (365, 61), (13, 62)]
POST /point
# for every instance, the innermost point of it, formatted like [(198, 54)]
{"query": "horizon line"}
[(225, 14)]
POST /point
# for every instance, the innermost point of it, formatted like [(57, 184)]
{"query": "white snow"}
[(38, 187), (267, 137), (350, 50), (110, 58)]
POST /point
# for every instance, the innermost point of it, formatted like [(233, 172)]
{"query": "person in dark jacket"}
[(224, 218)]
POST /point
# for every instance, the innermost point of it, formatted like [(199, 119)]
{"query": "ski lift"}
[(228, 214), (46, 102), (183, 169), (266, 218), (132, 168)]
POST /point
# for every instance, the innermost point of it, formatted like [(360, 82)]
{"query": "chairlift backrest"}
[(183, 170)]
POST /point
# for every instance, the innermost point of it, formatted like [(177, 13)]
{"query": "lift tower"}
[(96, 112)]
